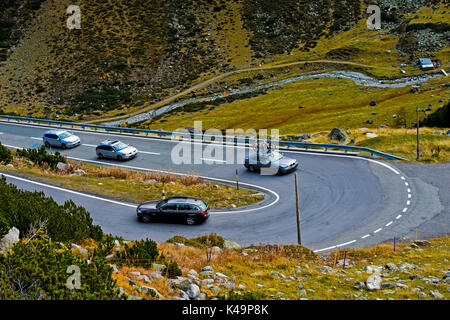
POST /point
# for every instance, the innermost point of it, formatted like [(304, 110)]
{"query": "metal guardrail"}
[(246, 140)]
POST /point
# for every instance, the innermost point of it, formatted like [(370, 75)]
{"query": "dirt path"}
[(206, 83)]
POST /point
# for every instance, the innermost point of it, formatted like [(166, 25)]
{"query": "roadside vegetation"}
[(41, 242), (123, 184)]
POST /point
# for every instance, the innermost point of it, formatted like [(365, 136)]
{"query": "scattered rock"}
[(373, 282), (422, 243), (61, 166), (371, 135), (359, 285), (421, 295), (9, 239), (338, 135), (387, 285), (373, 103), (391, 266), (436, 294), (231, 245), (193, 291)]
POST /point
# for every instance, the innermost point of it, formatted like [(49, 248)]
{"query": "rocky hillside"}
[(131, 53)]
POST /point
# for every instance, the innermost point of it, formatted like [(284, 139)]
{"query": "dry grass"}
[(134, 186)]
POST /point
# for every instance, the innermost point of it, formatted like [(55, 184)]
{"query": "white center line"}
[(389, 223), (213, 160), (408, 203), (407, 184), (378, 230), (404, 210), (403, 178), (34, 138), (399, 216), (409, 195), (366, 236), (409, 190)]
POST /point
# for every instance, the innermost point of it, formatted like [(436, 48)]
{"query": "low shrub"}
[(140, 254), (172, 270), (5, 154), (41, 157), (201, 242), (38, 270), (25, 209)]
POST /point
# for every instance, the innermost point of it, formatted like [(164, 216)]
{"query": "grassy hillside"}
[(129, 54)]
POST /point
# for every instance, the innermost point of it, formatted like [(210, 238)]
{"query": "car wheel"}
[(64, 146), (251, 168), (145, 219), (190, 221), (100, 156), (47, 145), (119, 158)]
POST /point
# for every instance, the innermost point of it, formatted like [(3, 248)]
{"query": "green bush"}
[(24, 209), (140, 254), (201, 242), (41, 157), (440, 118), (4, 226), (172, 270), (5, 154), (38, 270)]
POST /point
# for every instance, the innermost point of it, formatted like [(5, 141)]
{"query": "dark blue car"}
[(273, 160)]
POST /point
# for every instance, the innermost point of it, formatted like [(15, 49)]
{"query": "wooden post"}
[(299, 238), (335, 257), (345, 257)]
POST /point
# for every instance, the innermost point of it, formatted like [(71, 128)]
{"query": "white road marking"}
[(233, 146), (34, 138), (389, 223), (404, 210), (184, 174), (213, 160), (333, 247), (407, 184), (409, 190), (366, 236), (408, 202), (399, 216)]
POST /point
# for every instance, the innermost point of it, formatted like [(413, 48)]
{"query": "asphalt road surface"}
[(345, 201)]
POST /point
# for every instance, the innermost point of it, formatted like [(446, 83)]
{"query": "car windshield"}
[(274, 156), (203, 205), (65, 135), (120, 146), (161, 203)]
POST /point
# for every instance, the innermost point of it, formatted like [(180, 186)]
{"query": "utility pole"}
[(299, 238), (418, 128)]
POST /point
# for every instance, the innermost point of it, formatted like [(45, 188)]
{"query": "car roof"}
[(190, 200), (56, 131), (110, 142)]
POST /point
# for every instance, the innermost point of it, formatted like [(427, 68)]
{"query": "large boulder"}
[(338, 135), (61, 166), (373, 282), (9, 239), (231, 245), (193, 291)]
